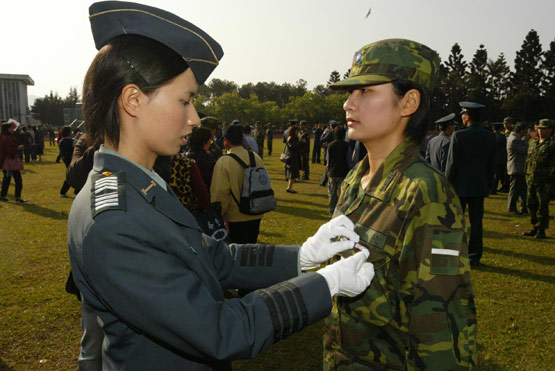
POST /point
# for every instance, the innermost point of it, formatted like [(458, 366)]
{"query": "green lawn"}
[(40, 323)]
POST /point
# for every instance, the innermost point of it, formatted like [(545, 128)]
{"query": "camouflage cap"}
[(209, 122), (546, 124), (390, 60)]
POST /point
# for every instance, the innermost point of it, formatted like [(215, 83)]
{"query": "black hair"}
[(418, 124), (66, 131), (339, 133), (518, 127), (199, 137), (247, 129), (6, 128), (127, 59), (474, 114), (234, 133)]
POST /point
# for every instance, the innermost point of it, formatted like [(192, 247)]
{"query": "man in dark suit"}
[(438, 147), (470, 168)]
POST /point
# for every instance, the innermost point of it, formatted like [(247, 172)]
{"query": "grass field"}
[(40, 322)]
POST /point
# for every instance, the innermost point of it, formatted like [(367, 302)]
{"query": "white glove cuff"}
[(332, 279)]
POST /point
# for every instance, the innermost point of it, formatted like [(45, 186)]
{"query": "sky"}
[(280, 41)]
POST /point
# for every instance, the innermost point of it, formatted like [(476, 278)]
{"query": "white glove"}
[(350, 276), (320, 247)]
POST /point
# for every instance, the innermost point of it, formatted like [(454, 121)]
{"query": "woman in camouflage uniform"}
[(419, 311)]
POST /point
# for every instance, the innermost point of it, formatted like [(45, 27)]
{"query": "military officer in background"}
[(540, 177), (269, 138), (304, 138), (259, 137), (438, 147), (508, 123), (500, 175), (517, 150), (470, 168)]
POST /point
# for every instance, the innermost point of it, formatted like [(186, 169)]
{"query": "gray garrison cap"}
[(450, 118), (110, 19)]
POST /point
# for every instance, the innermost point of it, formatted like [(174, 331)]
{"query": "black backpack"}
[(257, 196)]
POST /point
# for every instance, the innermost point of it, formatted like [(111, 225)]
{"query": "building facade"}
[(14, 103)]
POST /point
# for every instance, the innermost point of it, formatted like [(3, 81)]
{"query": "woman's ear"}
[(131, 99), (410, 102)]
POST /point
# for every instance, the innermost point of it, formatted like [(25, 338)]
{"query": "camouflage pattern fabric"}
[(259, 136), (389, 60), (419, 311), (540, 174), (540, 163)]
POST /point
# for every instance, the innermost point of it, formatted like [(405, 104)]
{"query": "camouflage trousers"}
[(538, 205)]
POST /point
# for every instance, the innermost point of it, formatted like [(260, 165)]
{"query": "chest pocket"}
[(377, 305)]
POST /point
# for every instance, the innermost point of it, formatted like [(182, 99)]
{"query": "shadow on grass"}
[(43, 211), (502, 236), (515, 272), (313, 211), (270, 234), (546, 260), (295, 201)]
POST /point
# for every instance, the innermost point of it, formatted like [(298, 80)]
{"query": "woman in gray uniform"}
[(138, 257)]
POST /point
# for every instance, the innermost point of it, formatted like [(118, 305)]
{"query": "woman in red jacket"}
[(8, 150)]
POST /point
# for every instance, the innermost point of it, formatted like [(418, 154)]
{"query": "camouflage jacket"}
[(419, 311), (259, 137), (540, 163)]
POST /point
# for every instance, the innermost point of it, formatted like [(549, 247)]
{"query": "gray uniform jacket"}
[(436, 151), (471, 161), (517, 149), (141, 262)]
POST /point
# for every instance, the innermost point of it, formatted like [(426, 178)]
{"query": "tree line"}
[(527, 93)]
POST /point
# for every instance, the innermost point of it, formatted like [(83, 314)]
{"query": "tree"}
[(219, 87), (498, 80), (452, 86), (524, 96), (72, 98), (49, 110), (548, 82), (346, 74), (477, 88), (334, 77)]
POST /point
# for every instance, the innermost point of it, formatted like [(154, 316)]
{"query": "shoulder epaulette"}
[(107, 192)]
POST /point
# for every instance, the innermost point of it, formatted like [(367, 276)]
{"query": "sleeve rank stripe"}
[(273, 313), (300, 301), (253, 252), (261, 255), (270, 255), (294, 309), (276, 294), (244, 255)]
